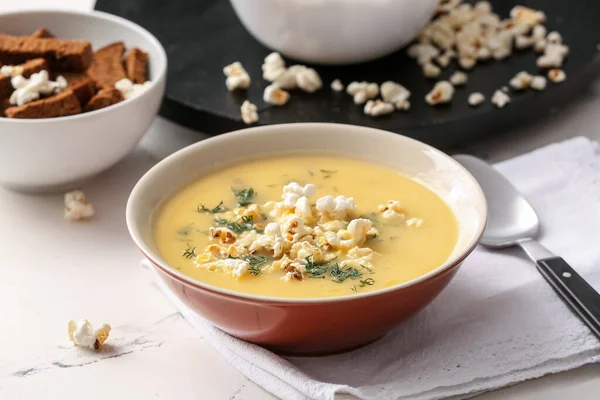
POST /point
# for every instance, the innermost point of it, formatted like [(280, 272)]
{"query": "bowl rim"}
[(172, 159), (162, 55)]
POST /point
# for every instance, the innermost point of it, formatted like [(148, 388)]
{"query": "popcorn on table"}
[(82, 334), (249, 113), (377, 108), (28, 90), (442, 92), (129, 89), (275, 95), (500, 99), (476, 99), (237, 77), (362, 91), (458, 78), (538, 83), (557, 75), (521, 81), (398, 95), (77, 207), (337, 85)]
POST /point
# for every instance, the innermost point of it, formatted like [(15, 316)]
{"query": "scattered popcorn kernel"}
[(376, 108), (476, 99), (273, 67), (500, 99), (423, 52), (527, 16), (309, 80), (362, 91), (484, 54), (458, 78), (521, 81), (248, 112), (237, 77), (275, 95), (557, 75), (554, 38), (11, 70), (82, 334), (442, 92), (76, 206), (554, 55), (538, 82), (222, 235), (431, 70), (289, 78), (398, 95), (337, 85)]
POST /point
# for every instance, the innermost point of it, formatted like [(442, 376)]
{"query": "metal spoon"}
[(512, 221)]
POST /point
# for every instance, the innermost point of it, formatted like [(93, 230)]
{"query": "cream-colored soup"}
[(268, 227)]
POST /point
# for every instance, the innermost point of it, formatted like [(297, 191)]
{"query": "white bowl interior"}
[(412, 158), (96, 27)]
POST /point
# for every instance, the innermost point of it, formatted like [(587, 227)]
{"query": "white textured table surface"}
[(53, 271)]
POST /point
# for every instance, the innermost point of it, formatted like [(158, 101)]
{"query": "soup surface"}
[(305, 226)]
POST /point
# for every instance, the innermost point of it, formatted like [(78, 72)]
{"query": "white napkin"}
[(496, 324)]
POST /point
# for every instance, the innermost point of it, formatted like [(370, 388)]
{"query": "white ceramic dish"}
[(59, 153), (334, 31)]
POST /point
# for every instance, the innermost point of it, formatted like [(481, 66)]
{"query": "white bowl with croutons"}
[(46, 154), (334, 31)]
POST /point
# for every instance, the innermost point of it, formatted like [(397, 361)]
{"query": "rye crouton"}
[(136, 64), (60, 105), (30, 67), (71, 55), (107, 66), (80, 83), (104, 98), (42, 33)]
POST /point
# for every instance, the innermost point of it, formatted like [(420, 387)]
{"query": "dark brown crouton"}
[(107, 67), (60, 105), (104, 98), (71, 55), (136, 64)]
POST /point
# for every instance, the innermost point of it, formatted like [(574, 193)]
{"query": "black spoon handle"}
[(574, 290)]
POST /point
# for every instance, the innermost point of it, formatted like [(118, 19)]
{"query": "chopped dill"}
[(272, 185), (219, 208), (328, 171), (354, 288), (255, 270), (367, 268), (243, 224), (367, 282), (189, 253), (263, 216), (310, 173), (244, 196), (256, 262), (338, 274)]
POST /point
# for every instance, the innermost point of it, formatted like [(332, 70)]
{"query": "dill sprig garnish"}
[(243, 224), (367, 268), (367, 282), (328, 171), (256, 262), (244, 196), (219, 208), (338, 274), (190, 252)]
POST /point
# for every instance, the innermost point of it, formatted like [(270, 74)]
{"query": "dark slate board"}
[(203, 36)]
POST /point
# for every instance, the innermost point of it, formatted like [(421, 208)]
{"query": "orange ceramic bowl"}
[(319, 325)]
